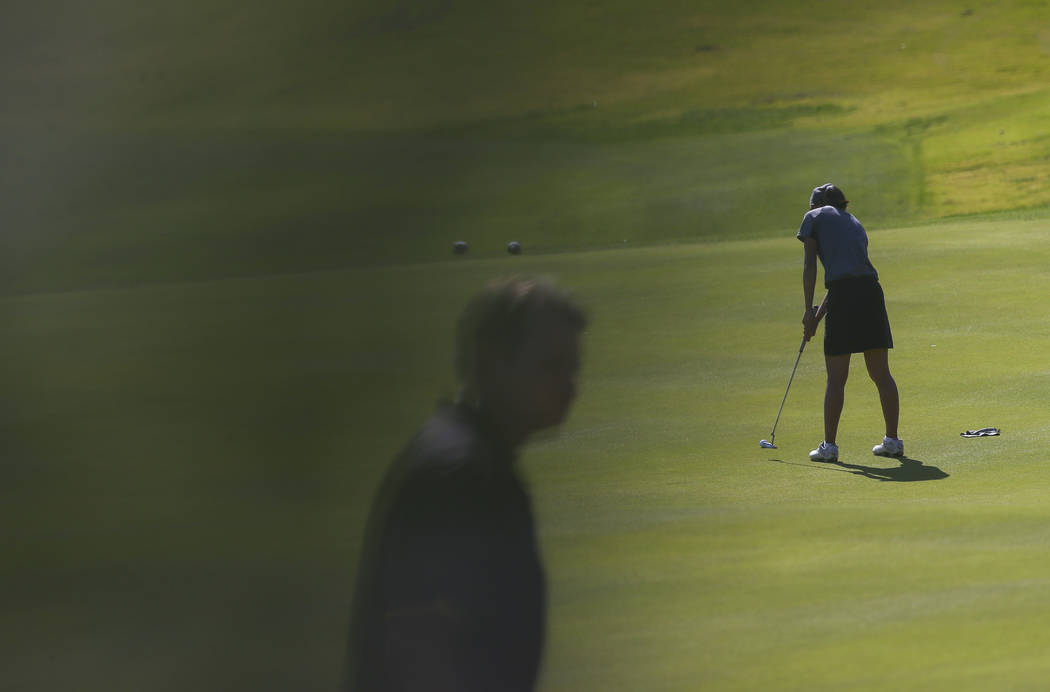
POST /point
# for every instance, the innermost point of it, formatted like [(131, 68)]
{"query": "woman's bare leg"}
[(878, 363), (834, 394)]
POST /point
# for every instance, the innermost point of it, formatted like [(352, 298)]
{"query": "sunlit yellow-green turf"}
[(201, 140), (227, 296), (190, 466)]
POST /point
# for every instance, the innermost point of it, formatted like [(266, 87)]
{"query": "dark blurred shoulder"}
[(451, 442), (453, 450)]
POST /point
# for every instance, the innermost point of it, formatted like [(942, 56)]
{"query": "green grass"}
[(199, 216), (194, 520), (227, 295), (214, 140)]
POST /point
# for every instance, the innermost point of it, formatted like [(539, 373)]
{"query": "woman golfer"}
[(856, 314)]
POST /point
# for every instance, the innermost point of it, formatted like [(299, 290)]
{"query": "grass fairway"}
[(216, 138), (195, 523), (221, 316), (684, 556)]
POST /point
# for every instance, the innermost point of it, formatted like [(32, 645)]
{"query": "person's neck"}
[(505, 426)]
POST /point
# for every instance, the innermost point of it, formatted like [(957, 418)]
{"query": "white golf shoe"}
[(890, 447), (825, 452)]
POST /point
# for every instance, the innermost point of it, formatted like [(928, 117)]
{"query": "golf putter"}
[(768, 444)]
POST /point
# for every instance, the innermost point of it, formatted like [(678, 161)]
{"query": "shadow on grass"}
[(908, 471)]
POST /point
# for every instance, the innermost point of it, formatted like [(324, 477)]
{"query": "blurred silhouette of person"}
[(451, 593)]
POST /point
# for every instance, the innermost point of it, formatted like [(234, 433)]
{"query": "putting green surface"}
[(195, 521), (227, 296)]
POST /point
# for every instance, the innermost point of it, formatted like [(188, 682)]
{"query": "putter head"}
[(766, 444)]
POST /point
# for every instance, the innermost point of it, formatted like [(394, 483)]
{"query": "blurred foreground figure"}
[(450, 592)]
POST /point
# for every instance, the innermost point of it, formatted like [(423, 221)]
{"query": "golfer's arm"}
[(809, 272), (823, 309)]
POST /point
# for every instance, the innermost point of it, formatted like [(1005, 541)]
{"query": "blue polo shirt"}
[(842, 244)]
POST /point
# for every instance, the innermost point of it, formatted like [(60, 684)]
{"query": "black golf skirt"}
[(856, 320)]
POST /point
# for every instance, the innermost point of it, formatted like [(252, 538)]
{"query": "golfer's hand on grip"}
[(809, 323)]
